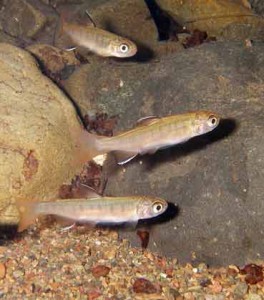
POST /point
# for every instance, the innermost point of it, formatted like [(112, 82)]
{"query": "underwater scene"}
[(132, 149)]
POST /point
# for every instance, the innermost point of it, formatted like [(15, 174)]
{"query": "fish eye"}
[(123, 48), (157, 207), (212, 121)]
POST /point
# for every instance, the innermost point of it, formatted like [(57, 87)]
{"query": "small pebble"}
[(110, 254), (18, 274), (92, 295), (253, 297), (2, 271), (240, 290), (100, 270)]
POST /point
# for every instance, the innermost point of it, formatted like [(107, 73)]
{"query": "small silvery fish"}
[(96, 210), (99, 41), (150, 134)]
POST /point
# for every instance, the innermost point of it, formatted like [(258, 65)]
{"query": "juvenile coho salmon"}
[(149, 135), (95, 210), (97, 40)]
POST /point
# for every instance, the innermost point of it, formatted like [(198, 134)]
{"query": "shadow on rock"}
[(144, 54), (163, 23), (7, 232), (225, 128)]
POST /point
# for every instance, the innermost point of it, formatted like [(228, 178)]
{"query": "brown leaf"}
[(100, 270), (144, 238), (100, 124), (90, 176), (142, 285), (197, 38), (254, 273)]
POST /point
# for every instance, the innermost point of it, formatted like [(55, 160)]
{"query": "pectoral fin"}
[(147, 120), (123, 157), (68, 227), (70, 48), (64, 42)]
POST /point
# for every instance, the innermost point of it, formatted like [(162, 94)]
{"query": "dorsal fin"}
[(84, 191), (90, 18), (147, 120)]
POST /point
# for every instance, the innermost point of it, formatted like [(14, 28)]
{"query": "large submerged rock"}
[(36, 122), (223, 19), (217, 179)]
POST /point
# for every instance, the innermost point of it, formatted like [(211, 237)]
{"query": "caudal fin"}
[(87, 146), (27, 211)]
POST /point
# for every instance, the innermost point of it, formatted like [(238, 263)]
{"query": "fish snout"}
[(207, 123), (150, 208)]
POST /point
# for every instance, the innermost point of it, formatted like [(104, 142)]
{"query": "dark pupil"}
[(213, 121), (158, 207), (124, 48)]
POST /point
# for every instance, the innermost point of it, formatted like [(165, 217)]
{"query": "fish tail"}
[(88, 146), (28, 214)]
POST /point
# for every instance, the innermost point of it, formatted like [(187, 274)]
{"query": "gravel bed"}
[(48, 263)]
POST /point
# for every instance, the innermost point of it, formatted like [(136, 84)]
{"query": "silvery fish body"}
[(94, 210), (150, 134)]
